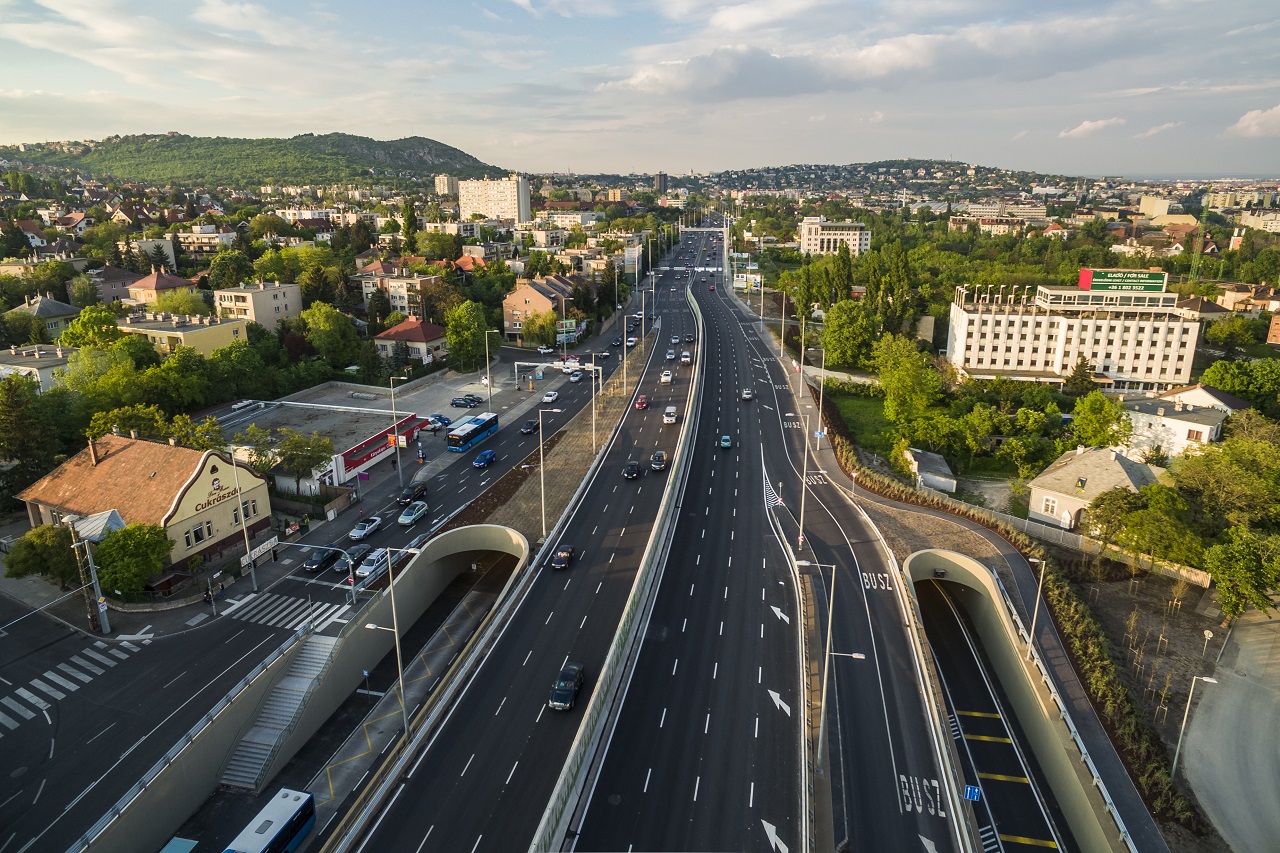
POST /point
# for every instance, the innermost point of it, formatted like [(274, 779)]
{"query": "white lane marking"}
[(691, 590), (664, 718), (715, 670), (721, 627), (526, 657), (512, 773), (500, 704), (674, 665), (549, 615), (684, 624), (751, 798), (583, 622), (646, 784), (757, 734), (696, 783), (598, 587), (469, 760)]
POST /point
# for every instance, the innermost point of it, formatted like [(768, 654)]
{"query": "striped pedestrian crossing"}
[(286, 611), (38, 695)]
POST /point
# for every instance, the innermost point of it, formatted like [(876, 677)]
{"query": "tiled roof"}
[(140, 479), (1087, 473), (109, 274), (412, 329), (160, 280), (378, 267)]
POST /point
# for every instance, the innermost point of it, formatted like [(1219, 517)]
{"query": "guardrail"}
[(615, 674), (100, 826)]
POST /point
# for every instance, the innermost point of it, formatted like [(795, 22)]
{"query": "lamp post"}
[(564, 318), (99, 601), (1035, 612), (822, 386), (1173, 772), (404, 710), (488, 376), (542, 477), (804, 483), (826, 656), (244, 520), (395, 432)]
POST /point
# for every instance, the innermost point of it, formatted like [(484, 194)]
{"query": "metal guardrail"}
[(100, 826)]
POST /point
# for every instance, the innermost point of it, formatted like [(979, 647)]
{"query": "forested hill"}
[(222, 161)]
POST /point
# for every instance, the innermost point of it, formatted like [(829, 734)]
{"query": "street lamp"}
[(1173, 773), (395, 630), (99, 601), (822, 386), (804, 483), (488, 376), (395, 432), (244, 520), (1035, 613), (542, 478), (826, 656)]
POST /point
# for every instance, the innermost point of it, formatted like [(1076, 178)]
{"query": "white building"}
[(1268, 221), (446, 185), (570, 218), (507, 198), (1122, 322), (265, 304), (821, 237), (1171, 427)]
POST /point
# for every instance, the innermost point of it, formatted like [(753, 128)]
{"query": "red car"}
[(642, 402), (713, 287)]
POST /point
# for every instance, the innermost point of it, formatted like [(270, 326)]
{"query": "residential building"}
[(1205, 397), (426, 341), (1152, 206), (265, 304), (994, 225), (660, 183), (192, 494), (144, 248), (534, 297), (167, 332), (616, 195), (1171, 427), (33, 231), (466, 230), (571, 218), (1199, 308), (1122, 322), (149, 288), (507, 198), (539, 237), (1273, 331), (402, 288), (112, 283), (39, 361), (818, 236), (53, 315), (1269, 221), (931, 470), (1250, 299), (206, 239), (446, 185), (1061, 493)]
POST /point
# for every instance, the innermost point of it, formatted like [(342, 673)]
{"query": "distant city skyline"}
[(1147, 87)]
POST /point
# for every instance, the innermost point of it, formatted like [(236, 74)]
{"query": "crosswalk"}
[(285, 611), (37, 696)]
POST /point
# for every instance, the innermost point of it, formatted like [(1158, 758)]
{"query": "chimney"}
[(13, 349), (1191, 407), (93, 453), (1177, 406), (1160, 411), (173, 442), (1080, 449), (1113, 456), (115, 429), (36, 353), (133, 433)]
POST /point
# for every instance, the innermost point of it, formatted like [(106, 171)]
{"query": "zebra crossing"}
[(285, 611), (37, 696)]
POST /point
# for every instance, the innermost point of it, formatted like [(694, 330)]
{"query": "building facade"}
[(265, 304), (534, 297), (167, 332), (52, 314), (818, 236), (39, 361), (424, 341), (446, 185), (507, 198), (1134, 339), (1060, 494)]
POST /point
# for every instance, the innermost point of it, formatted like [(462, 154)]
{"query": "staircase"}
[(279, 715)]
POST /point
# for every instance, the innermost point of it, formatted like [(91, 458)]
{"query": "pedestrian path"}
[(26, 702), (285, 611)]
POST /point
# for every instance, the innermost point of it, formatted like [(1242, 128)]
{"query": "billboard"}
[(743, 280), (1143, 281)]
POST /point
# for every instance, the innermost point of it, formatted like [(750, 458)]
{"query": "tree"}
[(261, 446), (372, 367), (1099, 421), (1080, 380), (180, 383), (127, 557), (1230, 333), (540, 328), (300, 454), (158, 259), (139, 350), (1245, 569), (849, 334), (23, 444), (910, 383), (46, 551), (205, 435), (82, 291), (378, 306), (182, 302), (146, 421), (332, 334), (22, 327), (464, 334), (229, 269), (94, 327)]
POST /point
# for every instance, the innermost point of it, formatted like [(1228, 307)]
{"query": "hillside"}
[(223, 161)]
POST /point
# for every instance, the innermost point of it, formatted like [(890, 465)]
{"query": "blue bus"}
[(472, 431), (281, 825)]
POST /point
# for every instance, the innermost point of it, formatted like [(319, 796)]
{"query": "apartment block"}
[(446, 185), (507, 198), (265, 304), (167, 332), (818, 236)]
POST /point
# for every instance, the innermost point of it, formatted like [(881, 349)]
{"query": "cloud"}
[(1258, 123), (1159, 128), (1085, 128), (818, 117), (1022, 134)]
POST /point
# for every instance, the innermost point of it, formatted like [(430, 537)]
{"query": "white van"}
[(686, 357), (669, 415)]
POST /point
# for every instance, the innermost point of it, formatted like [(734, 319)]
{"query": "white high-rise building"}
[(446, 185), (1122, 322), (507, 198), (820, 237)]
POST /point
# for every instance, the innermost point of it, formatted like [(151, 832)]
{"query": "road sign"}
[(972, 793), (102, 605), (260, 550)]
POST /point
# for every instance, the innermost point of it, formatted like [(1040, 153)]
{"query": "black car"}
[(528, 427), (659, 461), (319, 559), (462, 403), (617, 342), (475, 398), (564, 692), (632, 470), (562, 557), (689, 338), (357, 553), (412, 492)]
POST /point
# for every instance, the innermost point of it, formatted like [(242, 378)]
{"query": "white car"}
[(675, 339), (665, 378), (576, 376), (365, 527), (550, 397), (545, 350), (671, 355)]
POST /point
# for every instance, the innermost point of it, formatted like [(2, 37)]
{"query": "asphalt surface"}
[(707, 751), (483, 781)]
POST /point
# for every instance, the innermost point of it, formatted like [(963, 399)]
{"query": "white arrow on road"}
[(777, 700), (775, 843), (776, 612), (929, 846)]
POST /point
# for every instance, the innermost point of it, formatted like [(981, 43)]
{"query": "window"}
[(208, 529), (1195, 435), (197, 533), (1050, 507), (235, 517), (187, 538)]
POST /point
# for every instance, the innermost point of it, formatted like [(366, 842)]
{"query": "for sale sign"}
[(1143, 281)]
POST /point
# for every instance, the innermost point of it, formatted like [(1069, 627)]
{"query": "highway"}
[(707, 751), (484, 779)]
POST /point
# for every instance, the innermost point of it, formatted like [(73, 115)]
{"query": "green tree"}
[(464, 334), (849, 334), (1230, 333), (21, 328), (94, 327), (146, 421), (1080, 380), (127, 557), (240, 371), (539, 328), (106, 379), (158, 259), (180, 383), (1245, 569), (378, 306), (1099, 421), (46, 551), (372, 367), (139, 350), (910, 383), (261, 446), (82, 291), (230, 269), (332, 334), (182, 302), (300, 454), (205, 435), (24, 446)]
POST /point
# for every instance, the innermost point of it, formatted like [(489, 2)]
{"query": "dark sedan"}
[(564, 693), (562, 557)]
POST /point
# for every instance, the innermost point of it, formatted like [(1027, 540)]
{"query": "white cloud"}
[(1258, 123), (1085, 128), (1159, 128)]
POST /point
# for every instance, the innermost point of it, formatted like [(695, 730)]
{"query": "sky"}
[(1137, 87)]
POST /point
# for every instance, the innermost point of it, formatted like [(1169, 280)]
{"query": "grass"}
[(986, 466), (865, 418)]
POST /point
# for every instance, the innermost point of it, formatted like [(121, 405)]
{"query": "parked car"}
[(356, 553), (484, 459), (475, 398), (631, 471), (364, 527), (463, 403), (665, 378), (413, 513), (642, 402), (375, 562), (441, 419), (432, 425), (550, 397), (319, 559), (659, 461), (564, 692), (545, 350), (528, 427), (562, 557), (412, 492)]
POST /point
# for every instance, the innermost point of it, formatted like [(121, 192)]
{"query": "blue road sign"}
[(972, 792)]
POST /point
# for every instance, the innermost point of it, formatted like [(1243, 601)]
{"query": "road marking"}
[(778, 612), (751, 798), (526, 657), (704, 533), (583, 622), (81, 662), (664, 718), (771, 832), (777, 701), (475, 846), (757, 734), (32, 698), (512, 773), (549, 615), (721, 627), (762, 630), (1031, 842), (61, 682), (999, 777), (598, 587), (988, 739), (691, 590), (18, 708), (646, 781), (674, 665), (500, 704), (696, 782), (469, 760), (715, 670), (726, 593), (684, 624)]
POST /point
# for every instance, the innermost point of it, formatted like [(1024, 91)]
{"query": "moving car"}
[(686, 357), (564, 692), (545, 350), (528, 427), (659, 461), (550, 397), (576, 376), (642, 402), (562, 557), (689, 338), (631, 471), (484, 459), (413, 513), (318, 559), (631, 342), (675, 339), (617, 342), (713, 287), (746, 394), (603, 354), (365, 527), (356, 553), (726, 441), (412, 492), (671, 354), (665, 378), (374, 562)]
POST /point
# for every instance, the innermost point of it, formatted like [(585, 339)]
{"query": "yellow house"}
[(149, 288), (167, 332)]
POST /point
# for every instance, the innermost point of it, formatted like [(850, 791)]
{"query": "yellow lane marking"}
[(998, 777), (985, 714), (1033, 842), (988, 738)]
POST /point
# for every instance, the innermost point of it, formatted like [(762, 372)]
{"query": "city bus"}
[(472, 431), (280, 827)]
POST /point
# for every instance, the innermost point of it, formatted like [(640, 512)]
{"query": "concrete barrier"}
[(1079, 793)]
